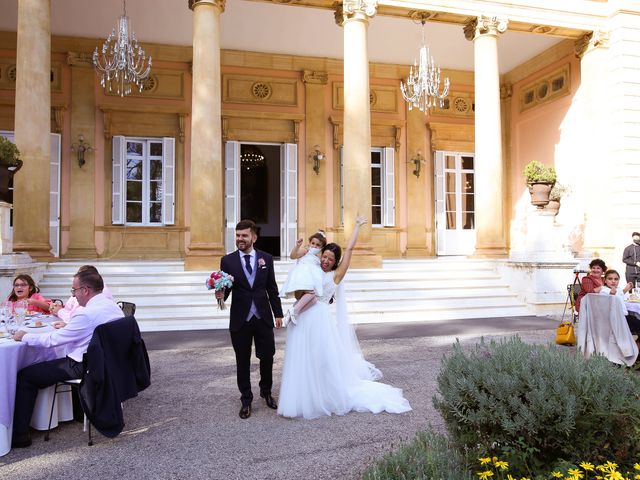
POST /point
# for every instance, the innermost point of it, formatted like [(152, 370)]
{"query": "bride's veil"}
[(351, 348)]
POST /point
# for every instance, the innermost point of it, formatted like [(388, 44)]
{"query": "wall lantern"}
[(417, 161), (316, 156), (80, 147)]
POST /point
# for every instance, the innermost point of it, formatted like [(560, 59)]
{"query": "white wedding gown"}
[(324, 372)]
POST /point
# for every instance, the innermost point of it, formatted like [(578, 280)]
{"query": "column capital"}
[(214, 3), (316, 77), (483, 25), (591, 41), (361, 10)]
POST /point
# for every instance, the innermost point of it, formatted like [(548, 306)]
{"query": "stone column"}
[(489, 175), (354, 18), (32, 129), (82, 243), (315, 83), (594, 173), (207, 198)]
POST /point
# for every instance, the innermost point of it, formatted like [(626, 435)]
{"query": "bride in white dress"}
[(324, 371)]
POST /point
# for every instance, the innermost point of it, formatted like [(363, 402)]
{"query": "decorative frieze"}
[(458, 104), (8, 74), (483, 25), (316, 77), (163, 83), (382, 98), (80, 59), (259, 90), (546, 89)]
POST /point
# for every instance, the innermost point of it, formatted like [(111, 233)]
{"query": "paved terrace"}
[(186, 425)]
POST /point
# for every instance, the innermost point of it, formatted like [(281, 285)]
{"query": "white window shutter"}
[(341, 184), (441, 223), (119, 158), (289, 198), (169, 179), (231, 193), (389, 199), (54, 196)]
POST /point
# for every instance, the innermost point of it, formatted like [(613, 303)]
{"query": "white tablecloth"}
[(633, 306), (13, 357)]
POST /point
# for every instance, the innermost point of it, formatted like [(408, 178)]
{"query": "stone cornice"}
[(484, 25), (79, 59), (361, 10)]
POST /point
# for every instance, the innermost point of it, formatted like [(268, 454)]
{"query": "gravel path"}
[(186, 425)]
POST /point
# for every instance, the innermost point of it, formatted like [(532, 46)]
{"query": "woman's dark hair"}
[(599, 262), (319, 235), (337, 252), (33, 288), (610, 272)]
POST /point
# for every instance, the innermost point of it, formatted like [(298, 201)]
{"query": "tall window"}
[(382, 187), (143, 181)]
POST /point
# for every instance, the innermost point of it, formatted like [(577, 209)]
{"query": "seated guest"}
[(75, 336), (611, 280), (65, 312), (593, 282), (24, 288)]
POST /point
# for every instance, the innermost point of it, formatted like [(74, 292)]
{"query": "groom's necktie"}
[(247, 261)]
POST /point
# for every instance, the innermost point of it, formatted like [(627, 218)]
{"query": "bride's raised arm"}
[(346, 259)]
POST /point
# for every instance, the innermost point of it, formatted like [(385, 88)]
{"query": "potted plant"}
[(557, 192), (540, 179), (10, 163)]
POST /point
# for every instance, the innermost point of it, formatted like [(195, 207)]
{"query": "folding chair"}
[(573, 291), (63, 387)]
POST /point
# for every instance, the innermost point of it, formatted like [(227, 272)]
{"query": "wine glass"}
[(20, 310)]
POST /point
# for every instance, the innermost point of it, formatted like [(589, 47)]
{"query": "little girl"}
[(305, 280), (610, 287)]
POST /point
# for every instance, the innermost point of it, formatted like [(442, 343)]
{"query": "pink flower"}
[(261, 262)]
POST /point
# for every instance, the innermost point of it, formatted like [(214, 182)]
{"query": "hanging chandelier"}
[(251, 158), (122, 61), (422, 87)]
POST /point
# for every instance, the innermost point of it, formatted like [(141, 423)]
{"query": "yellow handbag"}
[(565, 334)]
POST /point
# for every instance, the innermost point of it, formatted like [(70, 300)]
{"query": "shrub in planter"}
[(537, 405), (536, 172)]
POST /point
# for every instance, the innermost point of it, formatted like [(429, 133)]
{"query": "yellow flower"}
[(484, 461), (525, 478), (611, 465), (510, 477), (586, 466), (575, 473), (556, 474), (637, 477), (502, 465), (614, 476), (636, 466), (486, 474)]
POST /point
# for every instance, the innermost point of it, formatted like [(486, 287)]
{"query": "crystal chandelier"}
[(252, 158), (122, 61), (422, 88)]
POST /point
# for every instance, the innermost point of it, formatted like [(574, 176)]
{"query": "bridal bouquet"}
[(217, 281)]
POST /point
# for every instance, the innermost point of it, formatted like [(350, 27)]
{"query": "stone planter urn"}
[(540, 194), (552, 208)]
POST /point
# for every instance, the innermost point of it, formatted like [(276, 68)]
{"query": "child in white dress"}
[(610, 287), (305, 279)]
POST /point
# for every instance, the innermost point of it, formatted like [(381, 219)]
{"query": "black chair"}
[(64, 387), (129, 308)]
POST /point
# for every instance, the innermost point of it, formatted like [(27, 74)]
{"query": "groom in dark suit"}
[(255, 297)]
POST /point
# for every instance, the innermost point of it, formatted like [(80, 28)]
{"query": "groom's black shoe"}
[(21, 441), (245, 412), (271, 403)]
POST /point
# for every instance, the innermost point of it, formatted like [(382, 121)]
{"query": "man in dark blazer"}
[(255, 297)]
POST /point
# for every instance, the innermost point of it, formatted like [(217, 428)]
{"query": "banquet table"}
[(13, 357), (633, 306)]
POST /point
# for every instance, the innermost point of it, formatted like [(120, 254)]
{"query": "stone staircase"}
[(169, 298)]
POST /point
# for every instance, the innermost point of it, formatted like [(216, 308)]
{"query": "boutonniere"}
[(261, 263)]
